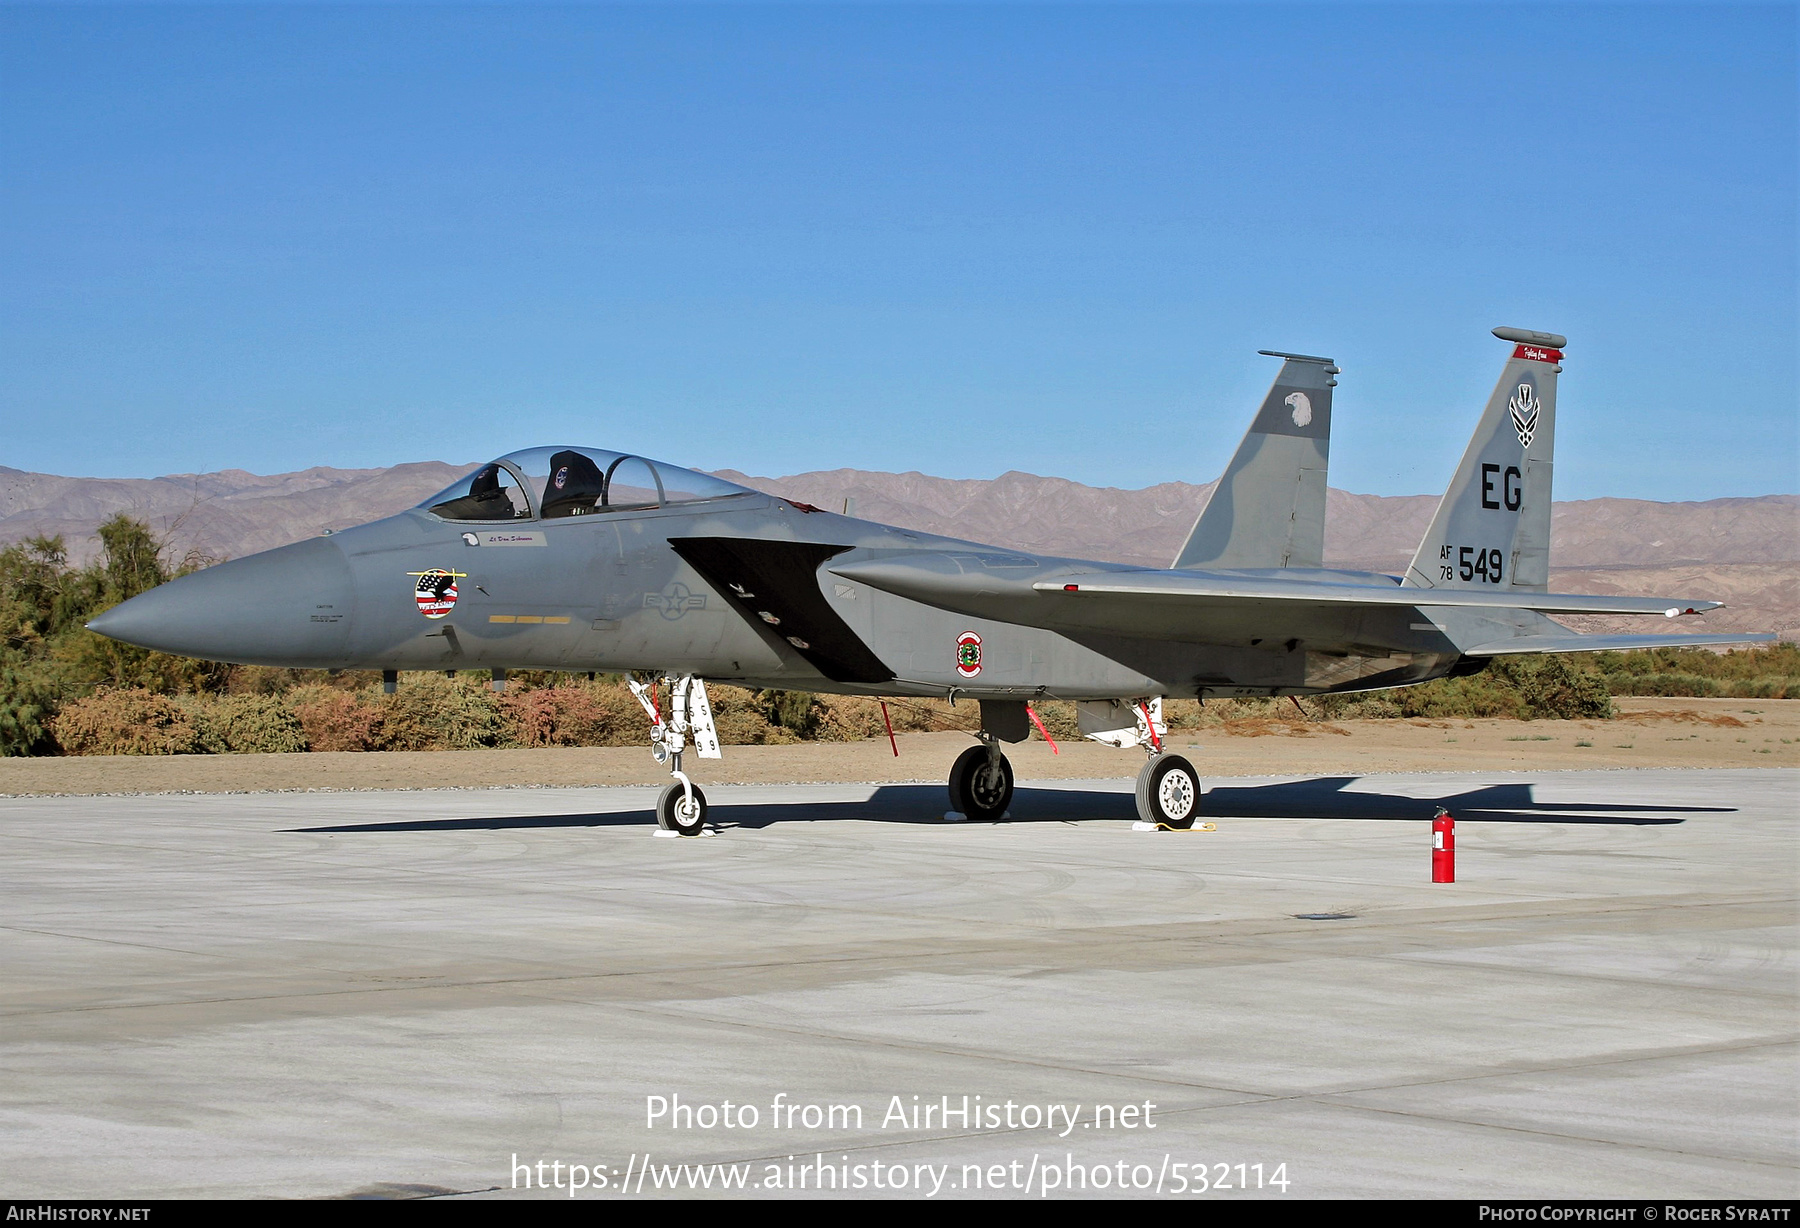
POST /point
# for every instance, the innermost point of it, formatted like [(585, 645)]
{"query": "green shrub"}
[(1690, 685), (1770, 686), (128, 722), (245, 724), (798, 712), (27, 704), (432, 712), (1528, 687), (1769, 671)]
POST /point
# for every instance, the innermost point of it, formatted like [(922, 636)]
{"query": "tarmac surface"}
[(429, 992)]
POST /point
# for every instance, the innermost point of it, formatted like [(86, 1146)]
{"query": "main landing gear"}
[(981, 783), (1168, 787), (1168, 792), (681, 810)]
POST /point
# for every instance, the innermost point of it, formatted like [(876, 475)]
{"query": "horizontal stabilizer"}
[(1607, 643)]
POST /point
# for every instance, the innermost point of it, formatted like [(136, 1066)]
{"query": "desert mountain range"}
[(1745, 552)]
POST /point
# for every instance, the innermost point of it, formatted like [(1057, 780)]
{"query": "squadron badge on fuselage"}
[(435, 591), (968, 654)]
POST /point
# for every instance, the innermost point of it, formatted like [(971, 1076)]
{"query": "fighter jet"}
[(581, 559)]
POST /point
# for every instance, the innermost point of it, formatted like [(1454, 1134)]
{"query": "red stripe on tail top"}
[(1538, 353)]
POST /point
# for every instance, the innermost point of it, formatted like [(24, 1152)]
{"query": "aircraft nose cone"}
[(291, 606)]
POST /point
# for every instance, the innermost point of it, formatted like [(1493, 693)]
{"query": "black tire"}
[(673, 814), (1168, 793), (977, 789)]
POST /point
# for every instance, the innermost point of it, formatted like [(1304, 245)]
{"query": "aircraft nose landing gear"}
[(681, 810)]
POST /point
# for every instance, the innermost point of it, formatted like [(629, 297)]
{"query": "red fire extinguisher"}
[(1443, 847)]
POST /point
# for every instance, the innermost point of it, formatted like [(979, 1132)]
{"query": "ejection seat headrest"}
[(573, 487)]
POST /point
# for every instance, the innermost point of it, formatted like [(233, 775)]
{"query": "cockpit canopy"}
[(551, 483)]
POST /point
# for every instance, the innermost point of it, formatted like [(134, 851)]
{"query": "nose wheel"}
[(1168, 793), (682, 809), (981, 784)]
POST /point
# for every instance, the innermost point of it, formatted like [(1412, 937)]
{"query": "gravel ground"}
[(1659, 732)]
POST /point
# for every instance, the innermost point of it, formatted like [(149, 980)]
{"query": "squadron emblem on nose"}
[(435, 591)]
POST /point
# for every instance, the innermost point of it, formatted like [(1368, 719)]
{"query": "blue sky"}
[(958, 239)]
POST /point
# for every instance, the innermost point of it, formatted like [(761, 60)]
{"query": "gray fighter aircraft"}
[(586, 560)]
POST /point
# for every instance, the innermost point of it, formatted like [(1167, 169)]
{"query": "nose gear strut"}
[(681, 810)]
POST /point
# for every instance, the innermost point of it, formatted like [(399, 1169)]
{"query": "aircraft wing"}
[(1194, 605), (1215, 586), (1574, 642), (1032, 588)]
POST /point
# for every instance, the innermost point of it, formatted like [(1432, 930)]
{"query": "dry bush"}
[(851, 718), (260, 680), (529, 718), (127, 722), (569, 714), (1356, 706), (742, 718), (245, 724), (1059, 718), (1216, 712), (337, 720), (626, 724)]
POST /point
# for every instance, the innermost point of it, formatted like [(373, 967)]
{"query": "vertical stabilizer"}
[(1269, 508), (1492, 529)]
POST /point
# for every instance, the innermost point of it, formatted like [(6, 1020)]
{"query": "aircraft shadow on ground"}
[(1321, 798)]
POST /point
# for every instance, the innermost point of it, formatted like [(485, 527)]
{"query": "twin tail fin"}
[(1268, 510)]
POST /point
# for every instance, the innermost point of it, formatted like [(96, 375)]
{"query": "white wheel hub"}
[(1175, 795)]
